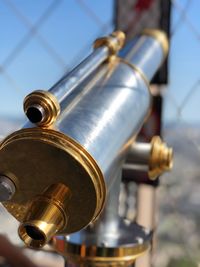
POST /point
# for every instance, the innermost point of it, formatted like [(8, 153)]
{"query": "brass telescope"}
[(64, 167)]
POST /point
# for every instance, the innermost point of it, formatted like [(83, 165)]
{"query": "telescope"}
[(60, 174)]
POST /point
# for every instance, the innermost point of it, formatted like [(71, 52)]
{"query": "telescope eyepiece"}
[(41, 107), (34, 233), (46, 215), (35, 114)]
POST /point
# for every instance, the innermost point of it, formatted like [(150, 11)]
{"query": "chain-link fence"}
[(42, 39), (178, 231)]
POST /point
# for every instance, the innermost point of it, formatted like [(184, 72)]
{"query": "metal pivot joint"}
[(161, 159), (154, 158)]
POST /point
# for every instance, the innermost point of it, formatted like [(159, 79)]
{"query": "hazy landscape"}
[(179, 199)]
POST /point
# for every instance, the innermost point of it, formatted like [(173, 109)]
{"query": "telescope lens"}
[(35, 114), (34, 233)]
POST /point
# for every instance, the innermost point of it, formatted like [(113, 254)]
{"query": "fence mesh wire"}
[(34, 55), (39, 36)]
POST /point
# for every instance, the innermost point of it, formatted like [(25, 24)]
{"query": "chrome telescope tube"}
[(38, 110), (79, 154), (146, 48), (109, 241), (103, 49), (72, 79), (107, 117)]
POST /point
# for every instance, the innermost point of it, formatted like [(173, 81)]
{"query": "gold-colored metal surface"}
[(161, 158), (160, 36), (121, 37), (99, 256), (47, 157), (46, 215), (114, 42), (47, 102)]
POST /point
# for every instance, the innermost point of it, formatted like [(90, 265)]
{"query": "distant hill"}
[(179, 218)]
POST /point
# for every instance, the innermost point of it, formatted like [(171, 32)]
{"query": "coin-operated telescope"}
[(60, 174)]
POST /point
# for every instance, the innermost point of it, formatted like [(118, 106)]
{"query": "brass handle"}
[(46, 216)]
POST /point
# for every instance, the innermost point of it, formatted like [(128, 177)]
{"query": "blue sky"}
[(68, 31), (184, 63)]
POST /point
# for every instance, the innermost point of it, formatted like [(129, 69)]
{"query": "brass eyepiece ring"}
[(161, 158), (41, 108), (114, 42)]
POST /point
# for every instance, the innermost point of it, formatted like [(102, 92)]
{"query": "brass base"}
[(103, 249), (36, 158)]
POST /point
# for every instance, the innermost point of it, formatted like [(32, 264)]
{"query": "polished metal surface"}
[(161, 159), (144, 52), (108, 115), (121, 249), (111, 241), (153, 158), (138, 157), (7, 188), (160, 36), (72, 79), (43, 113), (36, 158), (104, 47), (86, 145), (108, 220), (41, 107), (100, 243), (47, 214)]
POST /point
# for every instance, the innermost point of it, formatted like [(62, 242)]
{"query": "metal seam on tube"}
[(137, 70)]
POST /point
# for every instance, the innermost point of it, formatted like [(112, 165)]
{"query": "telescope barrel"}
[(84, 147), (146, 52), (108, 116), (39, 111), (103, 49), (72, 79)]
